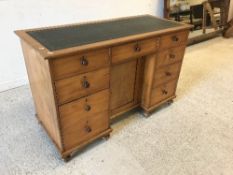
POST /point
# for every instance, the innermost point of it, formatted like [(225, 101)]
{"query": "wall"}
[(21, 14), (194, 2)]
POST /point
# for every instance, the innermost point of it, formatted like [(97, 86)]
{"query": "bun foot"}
[(169, 102), (106, 137), (146, 114), (67, 158)]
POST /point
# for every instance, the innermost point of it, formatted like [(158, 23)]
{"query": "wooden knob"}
[(164, 92), (84, 61), (172, 56), (137, 48), (85, 84), (87, 107), (175, 38), (87, 129), (168, 74)]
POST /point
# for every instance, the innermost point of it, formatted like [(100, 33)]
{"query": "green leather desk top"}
[(76, 35)]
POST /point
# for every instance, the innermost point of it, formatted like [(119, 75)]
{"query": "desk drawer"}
[(81, 85), (83, 119), (163, 92), (174, 40), (134, 49), (165, 74), (80, 63), (170, 56)]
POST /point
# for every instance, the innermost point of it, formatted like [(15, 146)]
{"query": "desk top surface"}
[(58, 38)]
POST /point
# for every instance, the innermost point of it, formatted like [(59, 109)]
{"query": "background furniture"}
[(222, 4), (84, 75), (209, 8), (179, 14), (229, 30), (221, 26), (196, 15), (224, 9)]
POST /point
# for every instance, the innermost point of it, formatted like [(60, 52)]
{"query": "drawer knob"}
[(85, 84), (87, 107), (87, 129), (172, 56), (175, 38), (137, 48), (168, 74), (164, 92), (84, 61)]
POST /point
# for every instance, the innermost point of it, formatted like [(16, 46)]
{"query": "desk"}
[(84, 75)]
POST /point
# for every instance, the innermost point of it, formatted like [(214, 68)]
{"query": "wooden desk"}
[(84, 75)]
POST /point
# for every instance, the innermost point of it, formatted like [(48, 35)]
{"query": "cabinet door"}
[(123, 78)]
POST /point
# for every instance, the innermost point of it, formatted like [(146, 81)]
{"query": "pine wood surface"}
[(77, 91)]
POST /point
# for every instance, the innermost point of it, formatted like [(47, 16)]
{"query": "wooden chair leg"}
[(204, 20), (207, 8)]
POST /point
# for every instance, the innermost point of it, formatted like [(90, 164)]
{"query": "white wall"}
[(21, 14), (191, 2), (194, 2)]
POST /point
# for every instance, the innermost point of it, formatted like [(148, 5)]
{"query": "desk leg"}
[(204, 21), (169, 102), (145, 113)]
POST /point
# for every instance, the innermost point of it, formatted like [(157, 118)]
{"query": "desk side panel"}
[(42, 91)]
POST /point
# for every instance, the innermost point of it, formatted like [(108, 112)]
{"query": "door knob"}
[(87, 107), (85, 84), (84, 61), (175, 38), (87, 129), (137, 48), (164, 92), (172, 56), (168, 74)]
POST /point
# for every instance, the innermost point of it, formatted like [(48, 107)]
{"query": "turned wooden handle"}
[(175, 38), (168, 74), (164, 92), (84, 61), (87, 129), (172, 56), (137, 48), (85, 84), (87, 107)]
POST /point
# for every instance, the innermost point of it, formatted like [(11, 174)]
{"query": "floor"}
[(193, 136)]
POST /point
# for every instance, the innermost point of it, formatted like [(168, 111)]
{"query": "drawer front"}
[(81, 85), (165, 74), (134, 49), (174, 40), (163, 92), (83, 119), (170, 56), (81, 63)]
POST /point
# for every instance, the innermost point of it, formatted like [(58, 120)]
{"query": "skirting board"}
[(7, 85)]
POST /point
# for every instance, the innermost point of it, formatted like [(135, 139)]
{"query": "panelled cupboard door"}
[(123, 77)]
